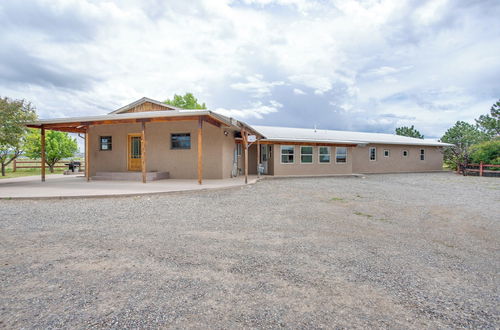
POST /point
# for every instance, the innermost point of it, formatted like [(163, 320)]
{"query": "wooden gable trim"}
[(147, 107)]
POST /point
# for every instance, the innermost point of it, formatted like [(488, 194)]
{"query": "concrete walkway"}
[(63, 186)]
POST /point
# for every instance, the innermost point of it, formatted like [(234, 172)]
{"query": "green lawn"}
[(31, 171), (28, 171)]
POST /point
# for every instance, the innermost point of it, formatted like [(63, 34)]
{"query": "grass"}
[(338, 199), (27, 172)]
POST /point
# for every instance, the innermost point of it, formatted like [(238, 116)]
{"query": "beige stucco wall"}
[(315, 168), (181, 164), (396, 162)]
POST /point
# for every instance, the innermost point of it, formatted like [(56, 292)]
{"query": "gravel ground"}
[(398, 251)]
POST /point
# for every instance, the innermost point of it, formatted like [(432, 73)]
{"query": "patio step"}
[(130, 176)]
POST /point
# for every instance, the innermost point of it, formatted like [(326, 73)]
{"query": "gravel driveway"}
[(399, 251)]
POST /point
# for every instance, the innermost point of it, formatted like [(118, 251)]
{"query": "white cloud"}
[(256, 86), (298, 91), (255, 110)]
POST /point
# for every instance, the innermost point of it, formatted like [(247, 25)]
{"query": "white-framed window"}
[(239, 149), (386, 152), (422, 154), (324, 154), (405, 153), (340, 155), (306, 154), (287, 153), (372, 153)]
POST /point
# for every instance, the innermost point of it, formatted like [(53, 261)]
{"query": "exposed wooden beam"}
[(87, 154), (118, 121), (212, 121), (200, 150), (42, 151), (143, 152)]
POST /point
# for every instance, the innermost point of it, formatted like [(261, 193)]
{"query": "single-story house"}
[(151, 140)]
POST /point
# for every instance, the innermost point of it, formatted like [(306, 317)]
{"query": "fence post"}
[(14, 165), (481, 169)]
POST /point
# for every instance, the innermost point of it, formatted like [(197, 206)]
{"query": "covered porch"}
[(141, 145), (63, 186)]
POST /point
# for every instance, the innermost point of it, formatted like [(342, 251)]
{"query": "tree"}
[(409, 131), (58, 146), (463, 135), (13, 116), (490, 124), (188, 101), (487, 152)]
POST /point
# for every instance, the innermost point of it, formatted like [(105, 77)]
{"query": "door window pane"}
[(136, 147)]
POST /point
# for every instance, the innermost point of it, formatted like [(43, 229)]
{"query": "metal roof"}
[(273, 133)]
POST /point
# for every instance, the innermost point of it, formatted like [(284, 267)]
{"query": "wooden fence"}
[(481, 169), (16, 164)]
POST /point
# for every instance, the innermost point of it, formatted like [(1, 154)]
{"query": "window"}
[(239, 149), (405, 153), (386, 153), (373, 153), (324, 154), (306, 154), (340, 155), (287, 154), (422, 154), (105, 143), (180, 141)]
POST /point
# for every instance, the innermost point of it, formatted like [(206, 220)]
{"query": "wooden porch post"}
[(87, 154), (245, 149), (200, 150), (258, 157), (143, 152), (42, 134)]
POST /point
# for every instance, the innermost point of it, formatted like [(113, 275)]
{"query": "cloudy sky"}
[(337, 64)]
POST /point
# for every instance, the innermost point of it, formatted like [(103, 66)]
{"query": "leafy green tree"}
[(13, 116), (490, 124), (409, 131), (58, 146), (463, 135), (188, 101), (487, 152)]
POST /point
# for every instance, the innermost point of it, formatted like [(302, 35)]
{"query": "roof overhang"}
[(308, 142), (80, 124)]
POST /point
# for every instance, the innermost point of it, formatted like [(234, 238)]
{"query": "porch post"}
[(200, 150), (87, 154), (143, 152), (42, 147), (258, 157), (245, 149)]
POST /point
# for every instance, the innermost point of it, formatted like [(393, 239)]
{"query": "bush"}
[(486, 152)]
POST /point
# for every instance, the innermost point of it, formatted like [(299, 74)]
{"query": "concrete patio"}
[(64, 186)]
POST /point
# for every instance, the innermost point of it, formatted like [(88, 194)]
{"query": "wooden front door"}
[(134, 152)]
